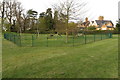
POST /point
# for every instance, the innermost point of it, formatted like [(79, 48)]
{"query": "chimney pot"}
[(101, 18)]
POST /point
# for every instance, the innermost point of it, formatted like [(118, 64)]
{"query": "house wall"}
[(109, 24), (110, 28), (104, 27), (97, 28)]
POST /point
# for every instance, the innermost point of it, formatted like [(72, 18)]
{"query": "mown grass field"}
[(92, 60)]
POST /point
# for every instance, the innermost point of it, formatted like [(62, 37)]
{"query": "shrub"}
[(91, 28)]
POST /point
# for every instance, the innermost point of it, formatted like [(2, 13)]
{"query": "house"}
[(84, 24), (100, 24)]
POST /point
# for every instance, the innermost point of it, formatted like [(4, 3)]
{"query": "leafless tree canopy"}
[(12, 11), (65, 11), (71, 8), (0, 8)]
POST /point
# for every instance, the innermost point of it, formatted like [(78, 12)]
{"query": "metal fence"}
[(46, 40), (15, 38)]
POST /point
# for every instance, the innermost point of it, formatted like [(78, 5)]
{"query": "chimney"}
[(86, 19), (101, 18)]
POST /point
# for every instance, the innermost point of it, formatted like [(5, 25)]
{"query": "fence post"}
[(101, 36), (73, 41), (9, 36), (94, 37), (106, 35), (17, 39), (47, 41), (4, 35), (20, 40), (85, 39), (110, 35), (14, 38), (32, 41)]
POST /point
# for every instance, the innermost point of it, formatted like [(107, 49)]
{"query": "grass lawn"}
[(92, 60)]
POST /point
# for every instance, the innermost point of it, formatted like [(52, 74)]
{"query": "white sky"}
[(96, 8)]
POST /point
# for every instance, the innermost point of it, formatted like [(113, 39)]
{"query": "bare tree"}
[(69, 10), (2, 10), (9, 11), (18, 14), (12, 10), (32, 15), (25, 22)]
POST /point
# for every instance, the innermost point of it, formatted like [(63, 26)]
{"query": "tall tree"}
[(59, 24), (42, 22), (18, 11), (49, 20), (25, 22), (9, 11), (32, 17), (55, 19), (2, 10), (69, 10), (12, 11)]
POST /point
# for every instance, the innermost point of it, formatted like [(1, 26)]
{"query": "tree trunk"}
[(67, 32), (3, 14), (37, 31), (67, 26), (10, 25), (66, 36), (20, 31)]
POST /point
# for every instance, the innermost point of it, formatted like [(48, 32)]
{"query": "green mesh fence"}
[(13, 37), (46, 40)]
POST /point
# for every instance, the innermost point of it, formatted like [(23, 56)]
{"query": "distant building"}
[(100, 24), (84, 24)]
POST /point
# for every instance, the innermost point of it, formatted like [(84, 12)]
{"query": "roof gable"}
[(102, 22), (86, 23)]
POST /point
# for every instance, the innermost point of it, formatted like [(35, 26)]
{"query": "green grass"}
[(93, 60)]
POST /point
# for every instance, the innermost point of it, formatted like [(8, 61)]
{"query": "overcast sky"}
[(106, 8)]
